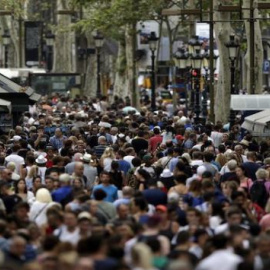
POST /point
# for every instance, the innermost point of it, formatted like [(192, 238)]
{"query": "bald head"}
[(77, 157), (78, 169), (127, 191), (17, 246)]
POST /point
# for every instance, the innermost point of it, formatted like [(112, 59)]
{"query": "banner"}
[(33, 34)]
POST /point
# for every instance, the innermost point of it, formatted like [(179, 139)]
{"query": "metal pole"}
[(211, 63), (197, 108), (192, 94), (232, 114), (205, 91), (49, 57), (187, 89), (6, 56), (153, 83), (20, 42), (175, 93), (252, 48), (98, 74)]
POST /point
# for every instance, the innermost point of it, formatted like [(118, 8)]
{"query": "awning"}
[(8, 86), (250, 102), (258, 123), (6, 104)]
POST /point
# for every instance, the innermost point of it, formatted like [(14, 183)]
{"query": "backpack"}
[(258, 193), (131, 179)]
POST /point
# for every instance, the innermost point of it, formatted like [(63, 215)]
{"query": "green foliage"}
[(109, 16)]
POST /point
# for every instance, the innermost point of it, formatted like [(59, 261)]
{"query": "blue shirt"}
[(110, 190), (124, 166), (57, 142), (61, 193), (172, 163)]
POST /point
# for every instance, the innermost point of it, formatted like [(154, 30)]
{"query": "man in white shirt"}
[(14, 157), (69, 232), (222, 258)]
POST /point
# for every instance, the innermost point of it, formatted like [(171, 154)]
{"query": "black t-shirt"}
[(139, 144), (117, 179), (155, 196), (106, 264), (10, 201)]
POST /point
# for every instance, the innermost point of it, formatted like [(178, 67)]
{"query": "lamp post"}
[(194, 46), (182, 63), (6, 42), (232, 46), (153, 40), (49, 43), (99, 41), (206, 68), (196, 60)]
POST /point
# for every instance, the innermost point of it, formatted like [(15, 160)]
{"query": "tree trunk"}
[(120, 83), (13, 49), (131, 68), (90, 84), (258, 51), (63, 41), (222, 33)]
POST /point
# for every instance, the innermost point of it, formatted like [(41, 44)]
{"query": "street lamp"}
[(232, 46), (99, 41), (182, 61), (206, 68), (153, 42), (197, 59), (6, 42), (49, 37), (195, 46)]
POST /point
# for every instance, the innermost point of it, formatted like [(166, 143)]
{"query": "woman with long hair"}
[(20, 189), (39, 208), (142, 257), (36, 184), (143, 178), (29, 171), (245, 182), (106, 159), (117, 176)]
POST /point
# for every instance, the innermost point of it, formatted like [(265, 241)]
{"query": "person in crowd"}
[(86, 184)]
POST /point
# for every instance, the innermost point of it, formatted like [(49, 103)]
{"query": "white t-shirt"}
[(129, 160), (18, 160), (66, 236)]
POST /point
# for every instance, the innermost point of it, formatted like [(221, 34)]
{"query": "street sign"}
[(266, 66)]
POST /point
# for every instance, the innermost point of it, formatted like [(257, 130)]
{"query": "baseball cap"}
[(161, 208), (179, 137), (147, 157)]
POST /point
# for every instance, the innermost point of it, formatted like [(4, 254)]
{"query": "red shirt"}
[(154, 141)]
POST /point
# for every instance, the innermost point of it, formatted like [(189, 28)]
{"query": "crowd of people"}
[(86, 185)]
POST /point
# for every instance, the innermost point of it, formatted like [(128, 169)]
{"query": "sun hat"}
[(84, 215), (166, 173), (245, 143), (41, 159), (16, 138), (87, 157)]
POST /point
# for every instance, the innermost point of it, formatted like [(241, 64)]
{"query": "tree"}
[(258, 52), (223, 91), (117, 19)]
